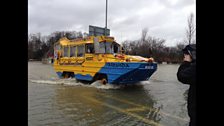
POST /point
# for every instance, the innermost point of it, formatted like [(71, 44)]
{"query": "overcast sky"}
[(165, 19)]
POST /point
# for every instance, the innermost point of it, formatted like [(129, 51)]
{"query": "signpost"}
[(98, 31)]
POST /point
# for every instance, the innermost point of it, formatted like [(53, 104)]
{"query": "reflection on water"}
[(107, 106), (160, 101)]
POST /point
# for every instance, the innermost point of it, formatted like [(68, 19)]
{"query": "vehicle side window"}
[(66, 51), (81, 51), (89, 48), (73, 51), (115, 48)]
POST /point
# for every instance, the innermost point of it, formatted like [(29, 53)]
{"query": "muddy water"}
[(161, 101)]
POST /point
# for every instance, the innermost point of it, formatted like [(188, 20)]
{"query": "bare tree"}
[(190, 31), (144, 34)]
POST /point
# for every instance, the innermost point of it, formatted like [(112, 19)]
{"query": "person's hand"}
[(187, 58)]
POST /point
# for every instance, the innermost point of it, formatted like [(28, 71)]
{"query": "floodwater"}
[(161, 101)]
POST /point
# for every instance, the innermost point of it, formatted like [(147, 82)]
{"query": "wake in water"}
[(69, 81), (74, 82), (98, 85)]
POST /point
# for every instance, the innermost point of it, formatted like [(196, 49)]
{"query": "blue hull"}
[(122, 73), (128, 73)]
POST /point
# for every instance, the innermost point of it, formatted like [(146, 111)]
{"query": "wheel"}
[(66, 75), (103, 81), (101, 77)]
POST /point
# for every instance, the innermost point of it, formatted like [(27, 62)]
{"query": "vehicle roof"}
[(65, 41)]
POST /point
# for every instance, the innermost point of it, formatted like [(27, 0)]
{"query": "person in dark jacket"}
[(187, 75)]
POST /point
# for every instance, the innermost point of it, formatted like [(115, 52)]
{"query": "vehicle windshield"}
[(57, 47), (109, 47)]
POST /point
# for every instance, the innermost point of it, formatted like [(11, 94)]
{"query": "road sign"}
[(97, 31)]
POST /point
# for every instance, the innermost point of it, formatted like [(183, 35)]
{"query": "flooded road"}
[(161, 101)]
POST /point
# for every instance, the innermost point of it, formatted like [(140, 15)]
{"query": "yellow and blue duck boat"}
[(100, 58)]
